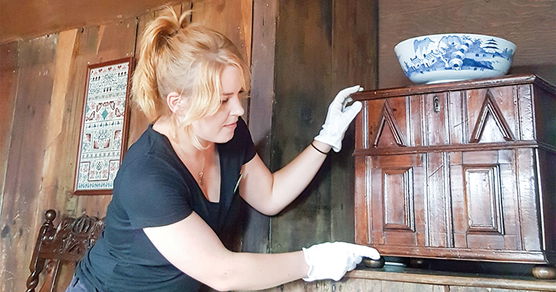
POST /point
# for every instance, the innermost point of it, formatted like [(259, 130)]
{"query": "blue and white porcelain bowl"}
[(450, 57)]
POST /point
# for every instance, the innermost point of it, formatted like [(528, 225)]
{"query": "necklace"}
[(201, 174)]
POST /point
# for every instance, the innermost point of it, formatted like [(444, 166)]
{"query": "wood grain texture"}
[(529, 24), (54, 188), (482, 192), (354, 61), (320, 49), (29, 18), (303, 46), (366, 280), (442, 281), (217, 14), (8, 86), (25, 159), (261, 108)]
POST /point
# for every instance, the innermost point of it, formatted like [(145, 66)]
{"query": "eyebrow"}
[(231, 93)]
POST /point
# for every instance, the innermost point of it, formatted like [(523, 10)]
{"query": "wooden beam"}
[(26, 19), (8, 91), (265, 16)]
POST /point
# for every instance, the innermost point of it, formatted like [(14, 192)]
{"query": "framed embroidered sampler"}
[(104, 127)]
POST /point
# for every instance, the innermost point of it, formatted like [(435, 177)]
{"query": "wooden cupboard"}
[(461, 170)]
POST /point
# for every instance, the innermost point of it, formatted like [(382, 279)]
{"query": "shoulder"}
[(150, 160), (151, 151)]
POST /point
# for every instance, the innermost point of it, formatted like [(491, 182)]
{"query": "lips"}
[(231, 125)]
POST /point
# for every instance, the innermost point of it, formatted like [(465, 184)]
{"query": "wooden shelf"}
[(419, 276)]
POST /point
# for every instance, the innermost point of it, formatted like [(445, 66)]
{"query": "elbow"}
[(270, 211), (271, 207), (226, 276), (221, 286), (226, 282)]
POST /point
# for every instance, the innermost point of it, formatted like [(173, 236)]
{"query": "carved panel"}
[(490, 111), (398, 199), (482, 196), (393, 134)]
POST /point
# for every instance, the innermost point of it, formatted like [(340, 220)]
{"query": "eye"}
[(243, 94), (225, 99)]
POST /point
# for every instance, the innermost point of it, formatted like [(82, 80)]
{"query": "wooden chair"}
[(65, 243)]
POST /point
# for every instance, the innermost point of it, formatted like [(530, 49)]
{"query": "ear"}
[(175, 102)]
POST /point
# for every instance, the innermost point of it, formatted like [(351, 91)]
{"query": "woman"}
[(174, 188)]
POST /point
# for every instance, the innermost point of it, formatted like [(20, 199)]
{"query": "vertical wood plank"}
[(303, 47), (56, 146), (326, 38), (232, 18), (8, 87), (354, 61), (25, 159), (57, 177), (265, 16)]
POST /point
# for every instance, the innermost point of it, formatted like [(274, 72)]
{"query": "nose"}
[(236, 107)]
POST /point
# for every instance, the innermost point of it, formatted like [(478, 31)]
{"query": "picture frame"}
[(104, 126)]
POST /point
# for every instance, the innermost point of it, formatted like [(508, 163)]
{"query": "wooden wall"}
[(42, 84), (529, 24), (321, 47), (26, 19)]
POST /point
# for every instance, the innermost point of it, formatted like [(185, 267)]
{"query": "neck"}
[(179, 138)]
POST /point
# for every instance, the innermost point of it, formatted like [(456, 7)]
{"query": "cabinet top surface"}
[(451, 86)]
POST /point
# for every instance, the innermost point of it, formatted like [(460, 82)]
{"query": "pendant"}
[(200, 175)]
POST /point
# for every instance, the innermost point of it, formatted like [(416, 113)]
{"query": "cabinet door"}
[(396, 203), (485, 200)]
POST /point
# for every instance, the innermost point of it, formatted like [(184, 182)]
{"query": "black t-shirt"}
[(154, 188)]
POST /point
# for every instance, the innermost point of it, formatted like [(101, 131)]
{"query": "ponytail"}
[(155, 39)]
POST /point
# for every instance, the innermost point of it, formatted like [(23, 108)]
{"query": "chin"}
[(224, 138)]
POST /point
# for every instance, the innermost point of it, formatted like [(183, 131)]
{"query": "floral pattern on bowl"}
[(453, 57)]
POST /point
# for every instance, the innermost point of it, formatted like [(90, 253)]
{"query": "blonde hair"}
[(176, 56)]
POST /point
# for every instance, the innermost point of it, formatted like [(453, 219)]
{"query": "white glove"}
[(339, 117), (332, 260)]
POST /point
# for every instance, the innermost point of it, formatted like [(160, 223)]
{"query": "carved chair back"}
[(59, 245)]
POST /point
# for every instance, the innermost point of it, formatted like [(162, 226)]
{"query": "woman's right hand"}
[(338, 118), (331, 260)]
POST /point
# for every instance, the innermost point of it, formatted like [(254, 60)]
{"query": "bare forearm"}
[(193, 247), (250, 271), (292, 179)]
